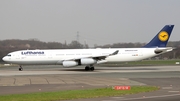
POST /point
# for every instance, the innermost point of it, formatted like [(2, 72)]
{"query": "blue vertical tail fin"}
[(161, 39)]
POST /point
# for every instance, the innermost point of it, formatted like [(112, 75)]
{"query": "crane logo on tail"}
[(163, 36)]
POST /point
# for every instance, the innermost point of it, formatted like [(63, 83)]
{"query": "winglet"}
[(161, 39), (114, 53)]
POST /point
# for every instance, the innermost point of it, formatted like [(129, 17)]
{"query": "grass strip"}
[(75, 94)]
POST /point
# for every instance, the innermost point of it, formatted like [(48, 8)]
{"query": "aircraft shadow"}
[(118, 69)]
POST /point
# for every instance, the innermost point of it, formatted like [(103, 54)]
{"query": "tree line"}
[(7, 46)]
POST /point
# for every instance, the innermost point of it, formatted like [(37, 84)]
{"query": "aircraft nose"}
[(4, 58)]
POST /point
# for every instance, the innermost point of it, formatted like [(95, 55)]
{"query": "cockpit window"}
[(9, 55)]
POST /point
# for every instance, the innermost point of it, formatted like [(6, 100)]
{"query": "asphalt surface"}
[(55, 78)]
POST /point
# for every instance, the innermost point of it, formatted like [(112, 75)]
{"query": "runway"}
[(55, 78)]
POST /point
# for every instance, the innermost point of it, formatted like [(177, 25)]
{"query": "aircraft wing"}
[(97, 57)]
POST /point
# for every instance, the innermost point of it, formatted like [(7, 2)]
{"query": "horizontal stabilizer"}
[(158, 51)]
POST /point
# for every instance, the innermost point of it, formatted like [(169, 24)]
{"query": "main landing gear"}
[(89, 68), (20, 68)]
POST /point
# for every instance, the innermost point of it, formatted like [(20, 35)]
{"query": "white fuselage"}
[(57, 56)]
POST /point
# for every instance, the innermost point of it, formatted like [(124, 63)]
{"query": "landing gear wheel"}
[(87, 68), (20, 68), (92, 68)]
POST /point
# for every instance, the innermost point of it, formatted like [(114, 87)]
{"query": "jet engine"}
[(69, 63), (88, 61)]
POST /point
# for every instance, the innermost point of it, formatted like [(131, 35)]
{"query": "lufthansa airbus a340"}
[(90, 57)]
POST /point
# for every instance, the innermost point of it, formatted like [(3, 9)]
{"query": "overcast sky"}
[(97, 21)]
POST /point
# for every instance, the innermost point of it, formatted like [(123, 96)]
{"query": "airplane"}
[(91, 57)]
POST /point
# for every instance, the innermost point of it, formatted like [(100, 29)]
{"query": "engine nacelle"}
[(88, 61), (69, 63)]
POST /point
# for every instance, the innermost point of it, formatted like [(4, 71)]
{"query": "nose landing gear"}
[(20, 68)]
